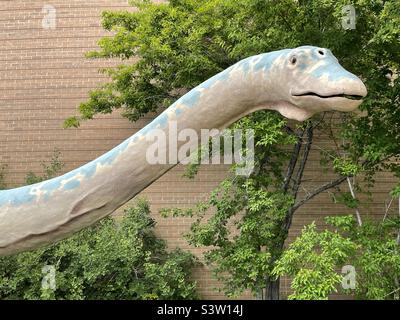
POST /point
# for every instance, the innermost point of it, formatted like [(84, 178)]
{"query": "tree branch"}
[(317, 191), (310, 133), (293, 160), (292, 165), (358, 215), (306, 153)]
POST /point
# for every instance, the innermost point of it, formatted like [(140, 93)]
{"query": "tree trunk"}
[(272, 289), (272, 284)]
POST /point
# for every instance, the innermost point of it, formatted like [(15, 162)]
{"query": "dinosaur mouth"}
[(346, 96)]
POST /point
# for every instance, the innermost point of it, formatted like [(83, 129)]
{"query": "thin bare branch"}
[(292, 165), (387, 208), (300, 172), (319, 190), (353, 194), (307, 149)]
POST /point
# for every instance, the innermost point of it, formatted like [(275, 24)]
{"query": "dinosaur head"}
[(312, 81)]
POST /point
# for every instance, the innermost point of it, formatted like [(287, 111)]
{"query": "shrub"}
[(115, 259), (315, 258)]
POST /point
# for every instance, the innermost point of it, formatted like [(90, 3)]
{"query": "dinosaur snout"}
[(344, 95), (356, 88)]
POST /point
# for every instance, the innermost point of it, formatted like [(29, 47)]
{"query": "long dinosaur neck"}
[(295, 82), (46, 212)]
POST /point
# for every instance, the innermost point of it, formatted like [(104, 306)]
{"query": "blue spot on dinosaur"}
[(72, 185), (222, 76), (245, 65), (178, 111), (190, 99), (267, 59), (16, 196), (334, 71), (302, 66), (22, 197), (51, 185)]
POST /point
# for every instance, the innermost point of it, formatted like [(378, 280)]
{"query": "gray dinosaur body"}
[(295, 82)]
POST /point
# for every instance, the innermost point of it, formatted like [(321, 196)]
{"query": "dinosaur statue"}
[(297, 83)]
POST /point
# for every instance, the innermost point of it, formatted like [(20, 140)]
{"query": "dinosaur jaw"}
[(343, 95), (346, 102)]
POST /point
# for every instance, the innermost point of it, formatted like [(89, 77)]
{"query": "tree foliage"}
[(315, 259), (171, 47), (112, 260)]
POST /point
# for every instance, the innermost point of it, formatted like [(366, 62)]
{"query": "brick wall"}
[(43, 78)]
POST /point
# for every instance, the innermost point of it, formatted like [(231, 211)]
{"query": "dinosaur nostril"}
[(321, 52)]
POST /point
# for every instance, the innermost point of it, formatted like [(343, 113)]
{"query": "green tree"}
[(315, 259), (181, 43)]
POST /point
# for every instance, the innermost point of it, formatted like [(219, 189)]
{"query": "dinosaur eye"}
[(293, 60), (321, 52)]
